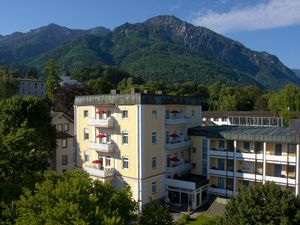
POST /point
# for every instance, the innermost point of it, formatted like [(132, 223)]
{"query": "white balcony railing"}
[(220, 191), (249, 176), (106, 148), (281, 159), (106, 123), (94, 170), (178, 121), (249, 156), (180, 168), (222, 153), (281, 180), (176, 145), (180, 184), (220, 172)]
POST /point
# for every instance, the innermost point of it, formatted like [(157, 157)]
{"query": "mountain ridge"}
[(162, 47)]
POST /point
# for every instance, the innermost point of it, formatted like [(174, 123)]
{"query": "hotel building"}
[(154, 144)]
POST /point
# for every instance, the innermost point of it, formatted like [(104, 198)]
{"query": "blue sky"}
[(263, 25)]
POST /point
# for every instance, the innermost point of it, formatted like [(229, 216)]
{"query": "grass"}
[(205, 220)]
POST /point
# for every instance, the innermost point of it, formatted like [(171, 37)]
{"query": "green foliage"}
[(74, 198), (8, 86), (99, 86), (263, 204), (27, 141), (154, 213), (206, 220), (52, 80), (184, 218)]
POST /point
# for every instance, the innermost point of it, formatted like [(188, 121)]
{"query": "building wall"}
[(32, 87)]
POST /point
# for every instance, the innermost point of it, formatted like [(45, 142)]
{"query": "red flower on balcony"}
[(100, 112), (98, 161), (100, 135), (174, 135)]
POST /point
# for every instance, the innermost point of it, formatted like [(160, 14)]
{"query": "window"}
[(221, 144), (224, 119), (125, 138), (278, 149), (193, 113), (124, 114), (154, 114), (153, 162), (66, 127), (59, 127), (153, 187), (194, 150), (182, 155), (64, 160), (215, 118), (153, 139), (221, 183), (64, 143), (85, 113), (193, 165), (86, 156), (86, 133), (107, 160), (125, 162), (246, 145)]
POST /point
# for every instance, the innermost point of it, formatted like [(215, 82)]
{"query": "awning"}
[(174, 135), (100, 135), (100, 112), (175, 159), (98, 161)]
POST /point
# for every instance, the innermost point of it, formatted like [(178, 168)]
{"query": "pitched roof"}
[(239, 113)]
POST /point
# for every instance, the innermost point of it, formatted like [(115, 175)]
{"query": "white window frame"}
[(153, 187), (125, 159), (86, 156), (154, 162), (64, 143), (86, 131), (154, 135), (124, 114), (107, 161), (123, 134), (66, 127)]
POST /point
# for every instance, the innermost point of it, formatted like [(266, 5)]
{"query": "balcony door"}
[(278, 149), (277, 170)]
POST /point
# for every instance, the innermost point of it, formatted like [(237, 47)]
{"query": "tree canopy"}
[(263, 204), (52, 80), (74, 198)]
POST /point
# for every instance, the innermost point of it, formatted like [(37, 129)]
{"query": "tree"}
[(27, 141), (52, 80), (263, 204), (8, 85), (155, 214), (99, 86), (74, 198)]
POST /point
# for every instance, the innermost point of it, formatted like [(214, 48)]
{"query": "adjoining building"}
[(31, 87), (156, 145), (141, 140), (242, 118), (234, 156), (63, 158)]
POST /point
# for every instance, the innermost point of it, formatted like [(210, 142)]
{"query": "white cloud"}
[(270, 14)]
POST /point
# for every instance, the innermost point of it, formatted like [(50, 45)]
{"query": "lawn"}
[(205, 220)]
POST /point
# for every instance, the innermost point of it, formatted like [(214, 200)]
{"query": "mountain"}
[(297, 72), (161, 48), (19, 46)]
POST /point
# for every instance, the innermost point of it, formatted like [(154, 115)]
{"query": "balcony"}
[(179, 144), (178, 121), (179, 168), (105, 123), (281, 180), (106, 148), (220, 191), (215, 171), (249, 176), (249, 156), (95, 170), (281, 158), (187, 181), (223, 153)]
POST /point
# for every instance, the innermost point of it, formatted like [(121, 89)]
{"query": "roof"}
[(239, 113), (133, 99), (62, 135), (30, 80), (56, 114), (217, 208), (269, 134)]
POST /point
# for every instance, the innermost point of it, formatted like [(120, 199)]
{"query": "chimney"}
[(114, 91), (135, 90)]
